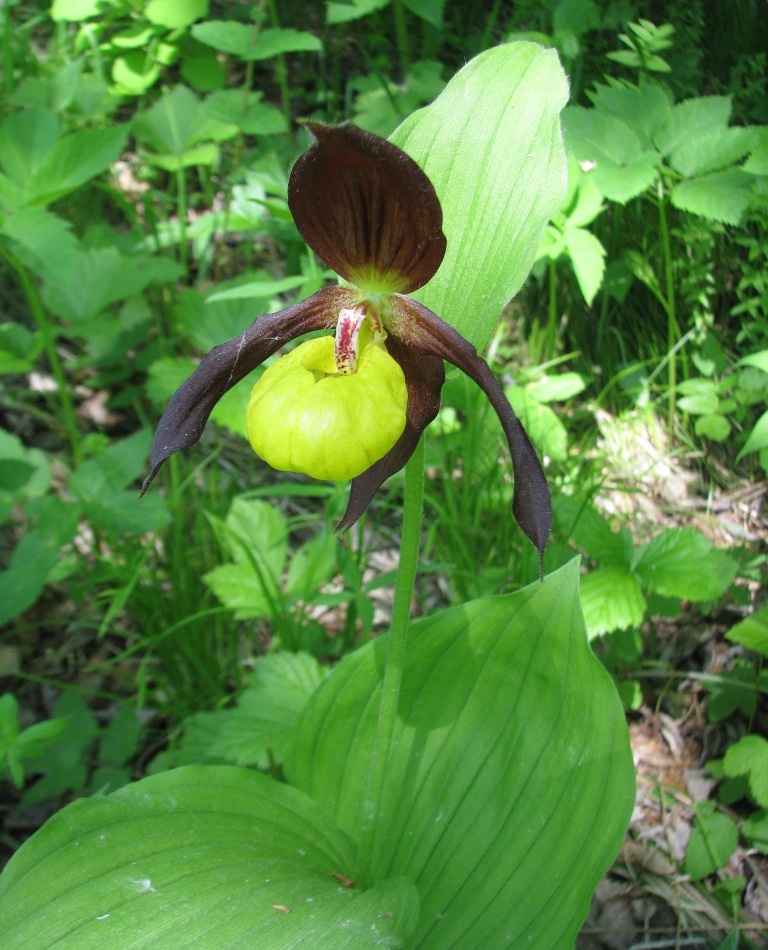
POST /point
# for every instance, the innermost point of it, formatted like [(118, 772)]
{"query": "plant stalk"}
[(395, 662), (673, 331)]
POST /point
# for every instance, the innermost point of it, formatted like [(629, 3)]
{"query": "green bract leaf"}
[(209, 856), (510, 769), (497, 121)]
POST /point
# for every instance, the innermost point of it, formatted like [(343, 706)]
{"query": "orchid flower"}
[(354, 405)]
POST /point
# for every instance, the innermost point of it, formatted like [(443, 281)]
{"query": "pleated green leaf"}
[(206, 856), (491, 145), (510, 783)]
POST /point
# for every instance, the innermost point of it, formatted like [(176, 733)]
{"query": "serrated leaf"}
[(720, 196), (711, 151), (645, 109), (247, 113), (312, 565), (755, 829), (683, 563), (497, 120), (589, 531), (256, 731), (692, 118), (257, 870), (752, 632), (588, 259), (510, 767), (749, 756), (612, 599), (757, 163)]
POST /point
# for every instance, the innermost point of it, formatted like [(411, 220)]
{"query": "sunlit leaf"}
[(496, 121), (208, 856), (510, 768)]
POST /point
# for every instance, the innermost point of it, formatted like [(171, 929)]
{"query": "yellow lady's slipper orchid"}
[(354, 406)]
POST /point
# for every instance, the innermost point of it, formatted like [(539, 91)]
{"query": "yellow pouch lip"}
[(304, 417)]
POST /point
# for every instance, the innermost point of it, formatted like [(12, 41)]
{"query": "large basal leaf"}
[(510, 782), (204, 856), (491, 145)]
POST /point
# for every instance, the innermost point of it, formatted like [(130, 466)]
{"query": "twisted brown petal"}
[(424, 378), (185, 416), (367, 209), (423, 329)]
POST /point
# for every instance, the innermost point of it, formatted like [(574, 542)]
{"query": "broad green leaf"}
[(711, 151), (681, 562), (720, 196), (713, 426), (757, 439), (18, 348), (712, 841), (692, 118), (243, 590), (42, 241), (34, 557), (247, 113), (429, 10), (35, 463), (344, 12), (759, 360), (178, 121), (757, 163), (557, 388), (134, 73), (588, 530), (752, 632), (510, 780), (25, 140), (99, 486), (496, 121), (312, 565), (545, 430), (251, 43), (175, 14), (749, 756), (612, 599), (620, 166), (75, 10), (700, 396), (120, 738), (208, 856), (755, 829), (63, 761), (587, 256), (74, 160), (589, 201), (101, 276), (643, 108)]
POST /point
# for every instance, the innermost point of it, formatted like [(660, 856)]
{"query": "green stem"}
[(48, 337), (673, 331), (181, 214), (552, 322), (393, 669), (281, 71), (401, 34)]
